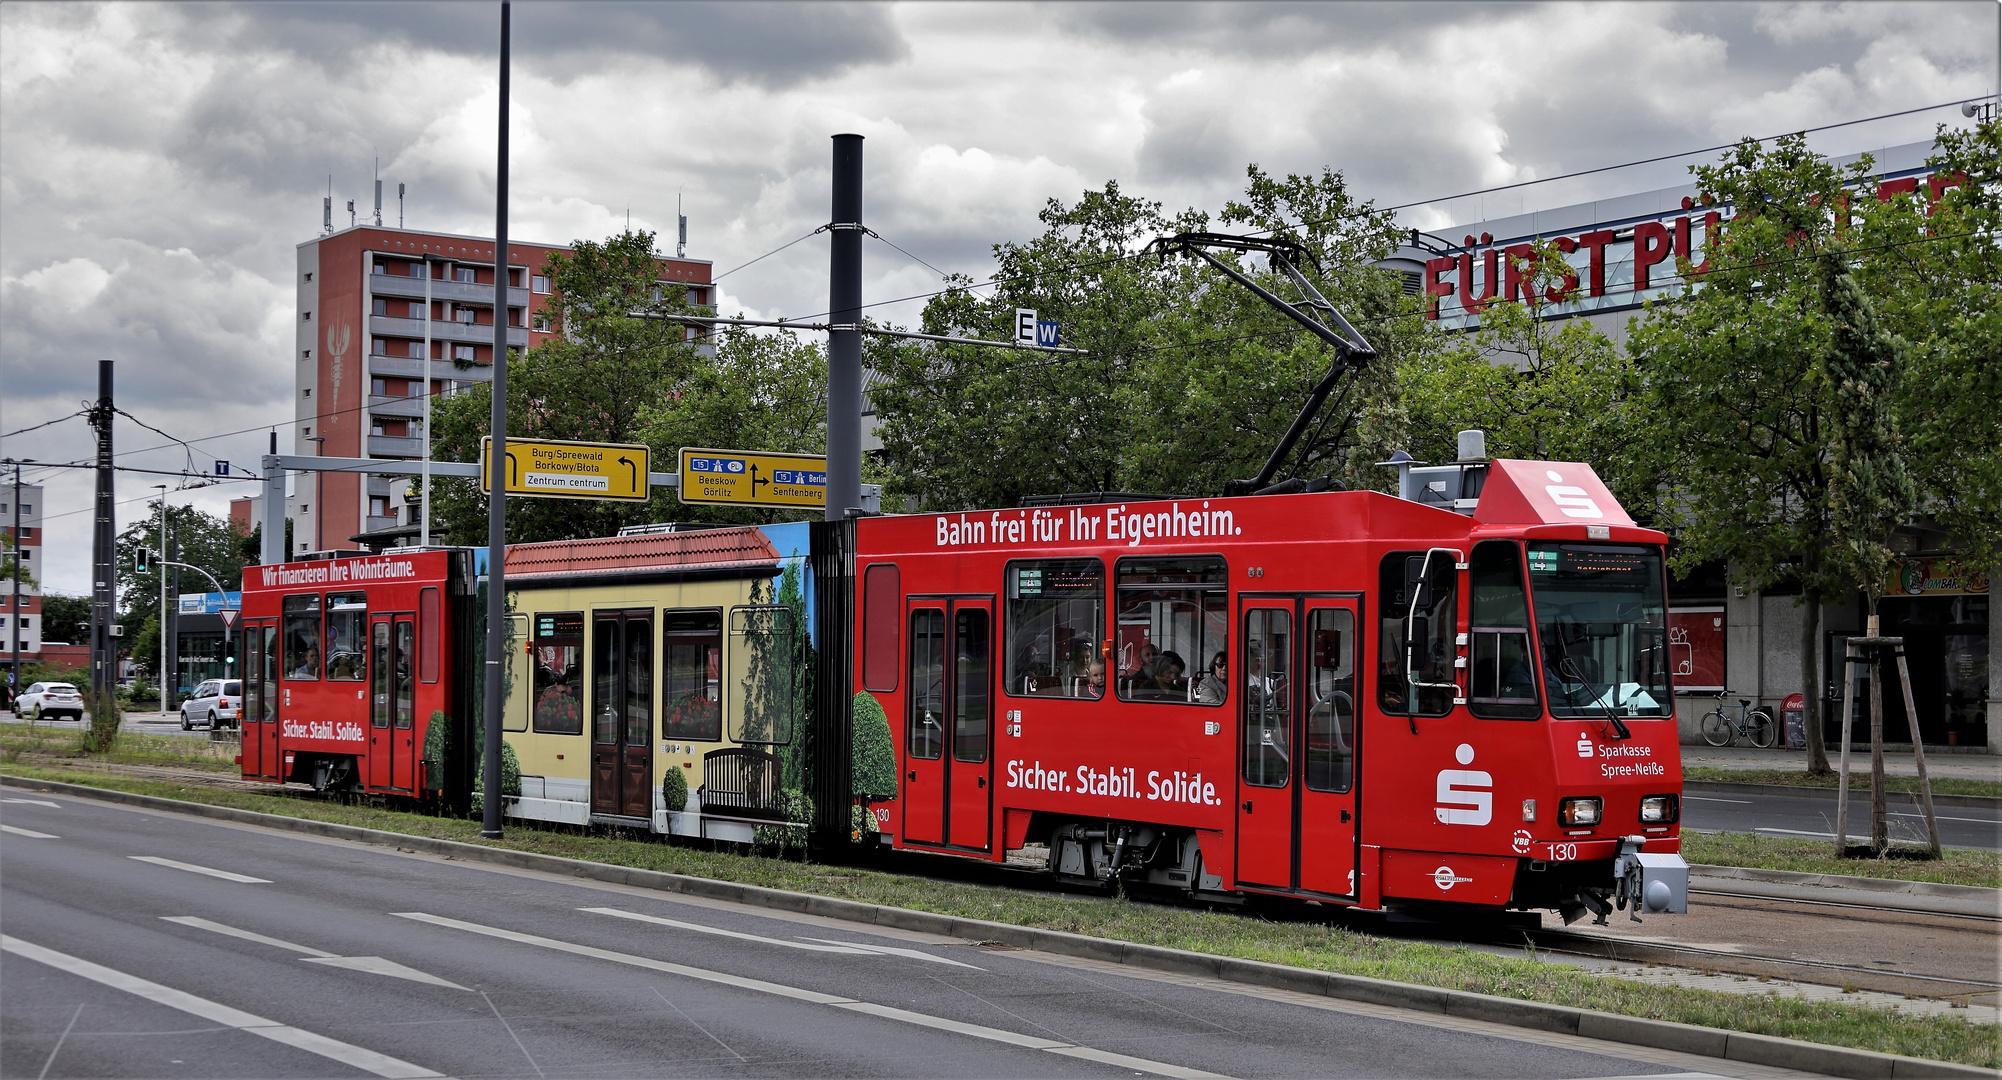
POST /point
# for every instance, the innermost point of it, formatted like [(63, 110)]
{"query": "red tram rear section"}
[(1456, 697), (352, 678)]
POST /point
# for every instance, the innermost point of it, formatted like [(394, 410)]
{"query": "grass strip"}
[(1858, 781), (1302, 944), (1955, 866)]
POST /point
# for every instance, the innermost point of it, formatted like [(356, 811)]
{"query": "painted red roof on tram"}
[(707, 549)]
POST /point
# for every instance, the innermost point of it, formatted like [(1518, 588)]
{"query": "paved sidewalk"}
[(1961, 766)]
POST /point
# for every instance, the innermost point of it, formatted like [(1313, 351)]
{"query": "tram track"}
[(1743, 906)]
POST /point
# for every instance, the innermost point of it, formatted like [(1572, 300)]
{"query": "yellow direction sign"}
[(570, 470), (747, 478)]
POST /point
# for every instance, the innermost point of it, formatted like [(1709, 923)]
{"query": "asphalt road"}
[(1813, 816), (149, 944)]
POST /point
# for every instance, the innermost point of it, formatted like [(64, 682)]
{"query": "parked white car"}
[(50, 700), (216, 703)]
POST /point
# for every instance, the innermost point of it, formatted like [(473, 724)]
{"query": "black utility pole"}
[(103, 550), (490, 758), (844, 337), (170, 614)]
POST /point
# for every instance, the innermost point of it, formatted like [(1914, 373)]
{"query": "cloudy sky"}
[(159, 163)]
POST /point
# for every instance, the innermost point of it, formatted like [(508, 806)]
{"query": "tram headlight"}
[(1660, 809), (1579, 811)]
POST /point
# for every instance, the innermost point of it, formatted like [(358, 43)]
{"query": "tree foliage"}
[(198, 538), (1188, 380)]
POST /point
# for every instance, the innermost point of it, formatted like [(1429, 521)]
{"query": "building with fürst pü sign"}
[(1622, 252), (362, 366)]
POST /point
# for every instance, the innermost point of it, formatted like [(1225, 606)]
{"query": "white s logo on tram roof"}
[(1574, 501), (1464, 795)]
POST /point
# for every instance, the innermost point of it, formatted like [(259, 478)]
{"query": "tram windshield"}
[(1602, 618)]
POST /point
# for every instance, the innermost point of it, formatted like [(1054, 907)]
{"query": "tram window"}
[(1331, 689), (639, 681), (1056, 628), (881, 600), (1503, 672), (427, 634), (1268, 696), (1172, 625), (559, 676), (1439, 619), (406, 682), (347, 646), (691, 649), (302, 637), (604, 680), (925, 734), (765, 687), (969, 686)]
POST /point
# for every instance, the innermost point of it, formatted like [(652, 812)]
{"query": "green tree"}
[(1761, 377), (65, 618), (198, 538), (618, 356), (8, 559), (754, 392)]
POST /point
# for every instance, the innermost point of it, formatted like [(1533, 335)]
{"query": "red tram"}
[(347, 660), (1347, 697)]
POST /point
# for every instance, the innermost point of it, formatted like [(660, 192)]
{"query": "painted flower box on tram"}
[(1342, 696)]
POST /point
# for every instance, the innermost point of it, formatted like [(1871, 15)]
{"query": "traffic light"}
[(142, 561)]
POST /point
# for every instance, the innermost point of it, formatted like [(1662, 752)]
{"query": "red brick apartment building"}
[(360, 363)]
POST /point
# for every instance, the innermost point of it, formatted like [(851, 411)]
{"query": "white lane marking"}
[(1701, 798), (193, 869), (892, 950), (37, 802), (217, 1013), (200, 923), (1817, 835), (720, 932), (375, 965), (29, 833), (801, 994), (1943, 817)]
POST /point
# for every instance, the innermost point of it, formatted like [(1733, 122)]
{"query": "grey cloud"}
[(766, 44), (1268, 29)]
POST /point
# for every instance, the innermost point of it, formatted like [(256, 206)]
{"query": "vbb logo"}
[(1465, 796)]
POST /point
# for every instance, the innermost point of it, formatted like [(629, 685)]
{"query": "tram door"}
[(259, 722), (1297, 804), (622, 713), (948, 730), (392, 713)]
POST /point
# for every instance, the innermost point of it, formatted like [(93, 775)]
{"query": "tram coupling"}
[(1657, 882)]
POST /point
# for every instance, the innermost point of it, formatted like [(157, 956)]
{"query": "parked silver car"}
[(49, 701), (216, 703)]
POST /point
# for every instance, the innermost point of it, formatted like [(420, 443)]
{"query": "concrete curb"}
[(1901, 798), (1636, 1031)]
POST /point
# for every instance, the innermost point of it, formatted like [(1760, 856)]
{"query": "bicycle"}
[(1756, 725)]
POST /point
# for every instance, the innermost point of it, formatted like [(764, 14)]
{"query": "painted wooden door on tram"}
[(1297, 804), (622, 713), (949, 724), (260, 700), (392, 750)]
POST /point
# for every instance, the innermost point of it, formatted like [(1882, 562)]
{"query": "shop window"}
[(882, 598), (559, 681), (765, 685), (1502, 675), (302, 637), (1436, 621), (1171, 628), (1056, 628), (692, 675), (347, 623)]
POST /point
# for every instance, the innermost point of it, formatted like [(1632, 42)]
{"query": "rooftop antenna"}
[(680, 245), (327, 207), (378, 193), (351, 213), (399, 206)]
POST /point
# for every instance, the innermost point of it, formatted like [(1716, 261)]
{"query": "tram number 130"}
[(1563, 853)]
